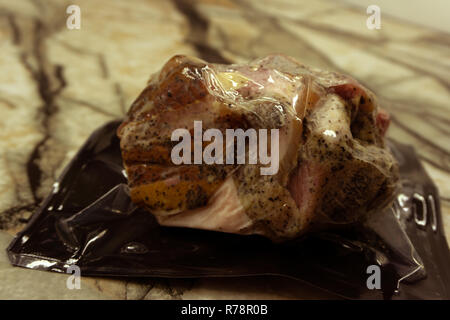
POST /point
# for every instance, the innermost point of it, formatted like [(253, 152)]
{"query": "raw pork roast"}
[(334, 167)]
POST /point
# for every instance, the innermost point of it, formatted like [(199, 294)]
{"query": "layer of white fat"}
[(223, 212), (331, 119)]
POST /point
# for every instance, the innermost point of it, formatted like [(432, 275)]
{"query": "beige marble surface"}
[(57, 85)]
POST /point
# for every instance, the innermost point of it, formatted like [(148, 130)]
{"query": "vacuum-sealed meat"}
[(271, 147)]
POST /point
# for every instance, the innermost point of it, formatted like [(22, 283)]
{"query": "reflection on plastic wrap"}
[(89, 220)]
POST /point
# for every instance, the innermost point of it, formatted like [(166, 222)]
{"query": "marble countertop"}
[(57, 85)]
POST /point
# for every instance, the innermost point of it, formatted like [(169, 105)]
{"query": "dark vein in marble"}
[(150, 287), (438, 122), (174, 291), (433, 163), (89, 105), (103, 66), (404, 103), (419, 137), (9, 216), (271, 23), (119, 93), (392, 82), (417, 69), (436, 38), (198, 32), (8, 103), (341, 33), (426, 60), (372, 45), (105, 74), (443, 154), (43, 80), (15, 31), (434, 114)]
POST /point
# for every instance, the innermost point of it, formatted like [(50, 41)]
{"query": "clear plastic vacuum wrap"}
[(312, 154)]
